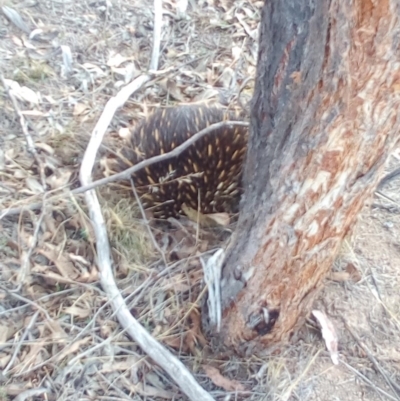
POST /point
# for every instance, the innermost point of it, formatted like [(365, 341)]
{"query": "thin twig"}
[(28, 301), (392, 384), (97, 337), (388, 177), (286, 395), (39, 300), (366, 380), (383, 196), (19, 345), (115, 387)]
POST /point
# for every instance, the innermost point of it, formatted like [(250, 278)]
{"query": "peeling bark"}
[(324, 120)]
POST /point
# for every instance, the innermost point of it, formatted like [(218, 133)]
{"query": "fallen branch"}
[(171, 364)]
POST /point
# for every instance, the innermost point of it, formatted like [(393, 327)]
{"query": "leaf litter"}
[(57, 331)]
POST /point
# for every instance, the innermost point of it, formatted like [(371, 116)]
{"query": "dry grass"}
[(57, 331)]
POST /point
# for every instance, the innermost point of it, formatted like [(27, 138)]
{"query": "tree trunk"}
[(324, 120)]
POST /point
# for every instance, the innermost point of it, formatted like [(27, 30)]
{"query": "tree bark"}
[(324, 120)]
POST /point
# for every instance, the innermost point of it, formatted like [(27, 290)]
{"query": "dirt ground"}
[(59, 339)]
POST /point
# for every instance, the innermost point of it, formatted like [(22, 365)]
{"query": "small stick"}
[(20, 342), (388, 177), (366, 380), (392, 384)]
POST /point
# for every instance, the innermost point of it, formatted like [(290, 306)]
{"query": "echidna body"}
[(205, 177)]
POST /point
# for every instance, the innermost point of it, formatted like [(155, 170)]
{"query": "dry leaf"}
[(79, 259), (4, 360), (49, 99), (181, 7), (175, 342), (8, 330), (80, 109), (206, 94), (51, 277), (63, 264), (206, 220), (94, 69), (116, 60), (329, 335), (34, 185), (90, 276), (22, 92), (227, 78), (131, 362), (174, 90), (15, 18), (354, 273), (339, 276), (222, 381), (45, 147), (36, 291), (149, 391), (194, 335), (67, 60), (49, 225), (57, 332), (17, 41), (178, 283), (34, 113), (220, 219), (79, 312), (20, 174), (33, 357), (236, 52), (107, 329), (72, 348), (14, 389), (59, 179), (44, 35), (124, 133)]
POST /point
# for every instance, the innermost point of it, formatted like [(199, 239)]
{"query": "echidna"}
[(204, 177)]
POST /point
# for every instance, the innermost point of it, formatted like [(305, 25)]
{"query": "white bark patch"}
[(290, 214), (249, 273), (312, 229), (321, 181), (325, 203)]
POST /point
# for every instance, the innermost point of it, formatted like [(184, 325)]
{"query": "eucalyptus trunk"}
[(324, 118)]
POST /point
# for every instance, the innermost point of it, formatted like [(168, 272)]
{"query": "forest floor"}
[(59, 339)]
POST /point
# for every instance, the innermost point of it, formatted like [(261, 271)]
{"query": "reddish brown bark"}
[(324, 119)]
